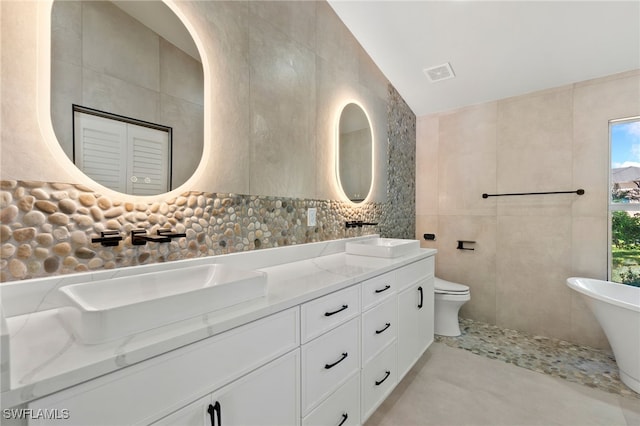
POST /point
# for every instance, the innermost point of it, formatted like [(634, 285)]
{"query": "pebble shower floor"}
[(580, 364)]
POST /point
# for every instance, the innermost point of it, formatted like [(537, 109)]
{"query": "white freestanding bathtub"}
[(617, 308)]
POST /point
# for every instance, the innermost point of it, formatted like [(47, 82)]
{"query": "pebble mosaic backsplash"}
[(580, 364), (46, 228)]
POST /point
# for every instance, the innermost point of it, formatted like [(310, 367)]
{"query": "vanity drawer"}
[(145, 391), (414, 272), (379, 328), (329, 361), (378, 380), (377, 289), (341, 408), (325, 313)]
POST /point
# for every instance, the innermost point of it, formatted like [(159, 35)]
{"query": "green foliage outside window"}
[(625, 248)]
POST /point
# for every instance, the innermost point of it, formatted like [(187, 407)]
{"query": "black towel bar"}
[(578, 191)]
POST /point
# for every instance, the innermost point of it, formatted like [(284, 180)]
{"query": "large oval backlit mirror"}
[(127, 93), (355, 153)]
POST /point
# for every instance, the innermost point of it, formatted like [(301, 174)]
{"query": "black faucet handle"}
[(108, 238), (170, 233), (139, 237), (357, 224)]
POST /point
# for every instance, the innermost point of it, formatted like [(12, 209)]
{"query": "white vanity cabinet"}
[(268, 396), (325, 313), (144, 392), (377, 289), (331, 360), (379, 329), (379, 334), (342, 408), (415, 312)]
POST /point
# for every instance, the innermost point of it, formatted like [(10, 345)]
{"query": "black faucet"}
[(139, 237), (170, 233), (357, 224), (108, 238)]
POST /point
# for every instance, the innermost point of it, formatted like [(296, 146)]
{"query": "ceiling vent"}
[(440, 72)]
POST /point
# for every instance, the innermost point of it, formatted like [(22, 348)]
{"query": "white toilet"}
[(449, 298)]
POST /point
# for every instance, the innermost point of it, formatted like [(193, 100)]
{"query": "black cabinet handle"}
[(344, 355), (421, 297), (387, 325), (328, 314), (386, 287), (386, 376), (345, 416), (215, 409)]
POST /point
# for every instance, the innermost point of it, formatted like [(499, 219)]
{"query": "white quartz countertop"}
[(46, 357)]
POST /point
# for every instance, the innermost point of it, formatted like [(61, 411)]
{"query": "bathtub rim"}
[(580, 284)]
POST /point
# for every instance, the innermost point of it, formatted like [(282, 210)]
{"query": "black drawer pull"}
[(328, 314), (386, 287), (421, 297), (387, 325), (215, 409), (386, 376), (344, 355), (345, 416)]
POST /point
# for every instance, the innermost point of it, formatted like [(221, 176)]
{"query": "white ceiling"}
[(497, 49)]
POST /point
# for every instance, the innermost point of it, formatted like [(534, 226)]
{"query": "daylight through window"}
[(624, 201)]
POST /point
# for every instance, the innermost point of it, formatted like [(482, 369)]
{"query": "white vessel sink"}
[(383, 247), (100, 311)]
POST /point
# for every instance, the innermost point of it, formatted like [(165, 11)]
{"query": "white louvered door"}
[(100, 150), (148, 159), (122, 156)]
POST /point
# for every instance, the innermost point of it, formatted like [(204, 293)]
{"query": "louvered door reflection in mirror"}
[(123, 154)]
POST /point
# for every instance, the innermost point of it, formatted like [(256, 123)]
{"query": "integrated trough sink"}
[(383, 247), (99, 311)]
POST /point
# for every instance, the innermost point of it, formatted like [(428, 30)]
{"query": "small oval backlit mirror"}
[(355, 153)]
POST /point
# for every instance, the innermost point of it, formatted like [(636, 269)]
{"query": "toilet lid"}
[(443, 286)]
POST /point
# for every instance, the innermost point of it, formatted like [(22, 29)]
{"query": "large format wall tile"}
[(223, 27), (533, 260), (334, 41), (596, 102), (534, 142), (185, 119), (115, 34), (282, 135), (106, 93), (467, 160), (295, 19), (474, 268), (181, 75), (553, 140), (427, 167)]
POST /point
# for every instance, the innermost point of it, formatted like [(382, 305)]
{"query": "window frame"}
[(611, 206)]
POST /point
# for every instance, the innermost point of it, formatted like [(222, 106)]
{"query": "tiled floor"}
[(453, 386), (591, 367)]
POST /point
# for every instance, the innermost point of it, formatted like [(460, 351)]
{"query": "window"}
[(624, 201)]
